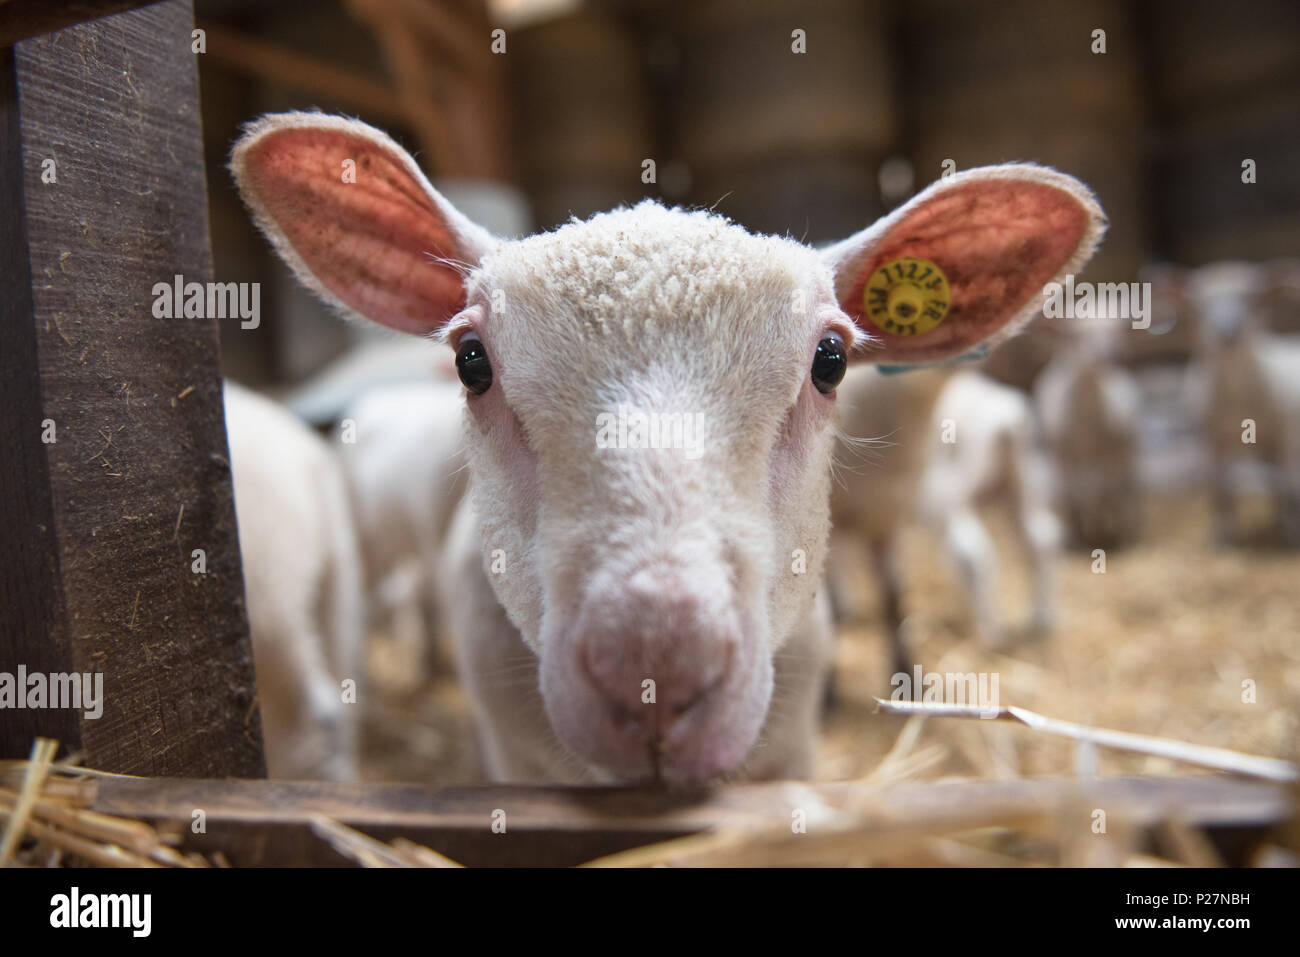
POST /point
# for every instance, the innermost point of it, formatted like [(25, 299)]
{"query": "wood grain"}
[(98, 528), (20, 19)]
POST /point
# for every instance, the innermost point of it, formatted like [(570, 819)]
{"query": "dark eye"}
[(473, 366), (829, 364)]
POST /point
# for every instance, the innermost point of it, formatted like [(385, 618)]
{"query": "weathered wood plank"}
[(30, 595), (257, 823), (95, 572), (20, 19)]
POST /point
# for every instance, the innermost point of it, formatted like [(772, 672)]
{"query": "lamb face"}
[(650, 470), (649, 405)]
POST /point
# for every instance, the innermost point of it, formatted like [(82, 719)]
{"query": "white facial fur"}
[(653, 563)]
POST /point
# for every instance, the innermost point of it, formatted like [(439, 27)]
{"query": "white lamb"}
[(302, 587), (984, 453), (952, 442), (637, 601), (876, 486), (400, 448), (1088, 406), (1248, 383)]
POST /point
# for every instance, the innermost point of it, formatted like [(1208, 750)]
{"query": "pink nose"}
[(656, 653), (649, 693)]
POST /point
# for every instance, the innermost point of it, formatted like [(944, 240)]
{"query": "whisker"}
[(462, 268), (866, 450)]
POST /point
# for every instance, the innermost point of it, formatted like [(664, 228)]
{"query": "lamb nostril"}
[(681, 707), (623, 718), (724, 668), (649, 720)]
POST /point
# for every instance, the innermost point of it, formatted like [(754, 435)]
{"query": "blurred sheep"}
[(952, 442), (302, 584), (1088, 406), (1247, 381), (400, 447)]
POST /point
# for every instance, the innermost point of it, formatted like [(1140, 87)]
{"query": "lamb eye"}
[(829, 364), (472, 365)]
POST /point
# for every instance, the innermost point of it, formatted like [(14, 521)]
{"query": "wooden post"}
[(113, 461)]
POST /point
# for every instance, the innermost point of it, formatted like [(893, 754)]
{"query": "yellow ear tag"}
[(906, 297)]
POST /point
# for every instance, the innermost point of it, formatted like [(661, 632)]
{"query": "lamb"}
[(302, 582), (1249, 383), (991, 459), (647, 609), (954, 441), (400, 449), (875, 492), (1088, 406)]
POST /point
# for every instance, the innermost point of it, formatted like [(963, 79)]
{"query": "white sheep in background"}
[(1171, 337), (1088, 407), (991, 459), (952, 442), (641, 600), (1248, 384), (877, 483), (400, 448), (302, 587)]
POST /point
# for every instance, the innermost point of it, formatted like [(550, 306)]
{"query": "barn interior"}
[(1172, 606), (1159, 119)]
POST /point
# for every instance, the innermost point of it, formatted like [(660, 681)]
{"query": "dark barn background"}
[(815, 145)]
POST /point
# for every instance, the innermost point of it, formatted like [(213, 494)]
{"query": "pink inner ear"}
[(371, 243), (998, 242)]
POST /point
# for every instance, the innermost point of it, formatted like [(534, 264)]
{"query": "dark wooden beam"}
[(250, 55), (256, 823), (101, 170), (21, 19)]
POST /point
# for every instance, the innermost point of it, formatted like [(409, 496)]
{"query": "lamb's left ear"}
[(962, 266), (351, 213)]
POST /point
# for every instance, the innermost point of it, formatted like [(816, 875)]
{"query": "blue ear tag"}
[(975, 355)]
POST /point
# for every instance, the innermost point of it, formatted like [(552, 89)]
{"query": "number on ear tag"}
[(906, 297)]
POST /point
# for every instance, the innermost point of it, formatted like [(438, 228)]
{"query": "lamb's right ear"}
[(351, 213)]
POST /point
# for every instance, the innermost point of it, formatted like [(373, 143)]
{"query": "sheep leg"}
[(968, 542), (884, 558), (1225, 520)]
